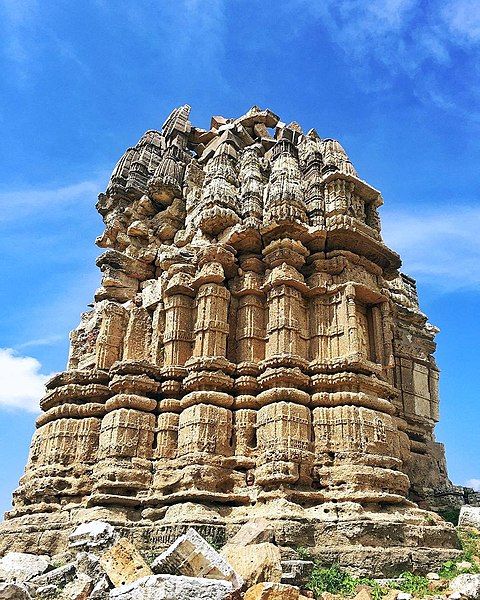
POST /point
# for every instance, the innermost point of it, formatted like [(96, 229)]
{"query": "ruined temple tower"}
[(252, 351)]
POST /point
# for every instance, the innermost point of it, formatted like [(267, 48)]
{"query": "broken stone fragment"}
[(469, 517), (255, 563), (78, 589), (168, 587), (192, 556), (255, 531), (296, 572), (14, 591), (93, 534), (467, 585), (272, 591), (58, 577), (123, 563), (364, 593), (20, 566)]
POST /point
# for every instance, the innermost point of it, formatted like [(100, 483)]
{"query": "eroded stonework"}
[(252, 351)]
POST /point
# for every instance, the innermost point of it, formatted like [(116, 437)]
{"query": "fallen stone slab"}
[(469, 517), (58, 577), (192, 556), (255, 531), (467, 585), (296, 572), (20, 566), (93, 534), (123, 563), (254, 563), (173, 587), (14, 591), (101, 589), (78, 589), (272, 591)]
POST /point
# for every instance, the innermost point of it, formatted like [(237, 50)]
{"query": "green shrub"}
[(303, 553), (337, 581), (417, 585)]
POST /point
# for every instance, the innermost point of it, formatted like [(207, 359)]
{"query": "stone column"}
[(109, 347), (284, 419), (138, 335), (352, 322)]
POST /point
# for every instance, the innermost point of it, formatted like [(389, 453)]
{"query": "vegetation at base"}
[(417, 585), (337, 581), (303, 553), (470, 541)]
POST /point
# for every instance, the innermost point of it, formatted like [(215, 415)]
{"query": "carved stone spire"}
[(252, 351)]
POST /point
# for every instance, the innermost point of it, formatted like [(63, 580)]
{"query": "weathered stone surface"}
[(14, 591), (192, 556), (78, 589), (58, 577), (469, 517), (254, 563), (123, 563), (467, 585), (172, 587), (93, 534), (364, 594), (296, 572), (272, 591), (255, 531), (252, 349), (20, 566)]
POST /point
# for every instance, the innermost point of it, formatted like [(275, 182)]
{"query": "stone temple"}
[(252, 352)]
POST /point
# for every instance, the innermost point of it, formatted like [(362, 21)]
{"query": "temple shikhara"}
[(253, 351)]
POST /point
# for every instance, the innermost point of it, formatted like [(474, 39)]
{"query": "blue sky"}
[(397, 81)]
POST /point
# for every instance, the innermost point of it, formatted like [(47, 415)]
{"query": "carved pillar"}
[(352, 322), (284, 445), (125, 452), (250, 324), (357, 452), (138, 335), (109, 346)]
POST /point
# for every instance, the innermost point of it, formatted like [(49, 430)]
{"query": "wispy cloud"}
[(18, 204), (49, 340), (473, 483), (428, 43), (22, 381), (440, 245), (27, 33)]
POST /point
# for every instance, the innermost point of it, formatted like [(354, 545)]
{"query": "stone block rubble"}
[(102, 565)]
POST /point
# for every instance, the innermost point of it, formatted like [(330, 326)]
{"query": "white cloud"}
[(22, 381), (387, 39), (442, 245), (17, 204), (473, 483)]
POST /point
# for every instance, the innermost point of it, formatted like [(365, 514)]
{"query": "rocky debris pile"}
[(102, 565)]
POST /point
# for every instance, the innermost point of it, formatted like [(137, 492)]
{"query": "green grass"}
[(337, 581), (417, 585)]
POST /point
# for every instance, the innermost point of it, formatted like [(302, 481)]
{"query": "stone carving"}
[(252, 352)]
